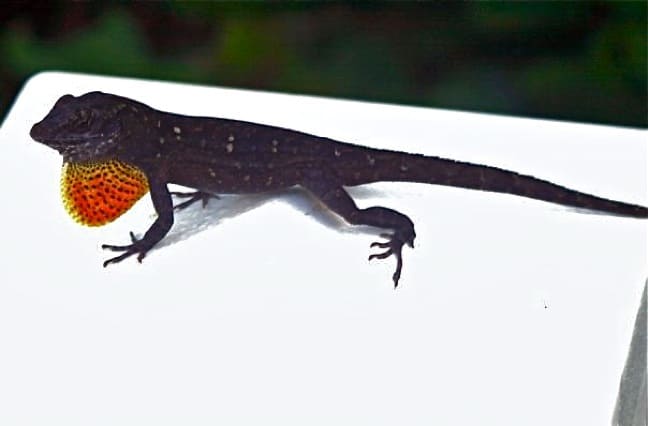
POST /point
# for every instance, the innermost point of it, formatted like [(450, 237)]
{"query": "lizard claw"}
[(382, 255), (394, 246), (193, 197), (136, 246)]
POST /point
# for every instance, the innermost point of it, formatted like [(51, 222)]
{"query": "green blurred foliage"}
[(112, 46), (582, 61)]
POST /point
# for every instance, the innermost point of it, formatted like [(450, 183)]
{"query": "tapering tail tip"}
[(628, 210)]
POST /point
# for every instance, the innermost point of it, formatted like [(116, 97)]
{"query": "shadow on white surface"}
[(197, 219)]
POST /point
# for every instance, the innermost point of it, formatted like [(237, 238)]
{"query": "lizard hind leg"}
[(340, 202)]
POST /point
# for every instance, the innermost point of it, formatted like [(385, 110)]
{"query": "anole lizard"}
[(116, 149)]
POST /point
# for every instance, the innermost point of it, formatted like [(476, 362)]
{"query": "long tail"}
[(404, 167)]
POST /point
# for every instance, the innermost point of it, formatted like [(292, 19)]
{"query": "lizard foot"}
[(393, 246), (136, 247), (193, 197)]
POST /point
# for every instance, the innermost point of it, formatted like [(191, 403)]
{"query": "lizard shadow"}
[(196, 218)]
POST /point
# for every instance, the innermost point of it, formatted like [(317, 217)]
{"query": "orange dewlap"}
[(98, 193)]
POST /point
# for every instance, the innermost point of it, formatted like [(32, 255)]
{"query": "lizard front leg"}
[(336, 198), (161, 198)]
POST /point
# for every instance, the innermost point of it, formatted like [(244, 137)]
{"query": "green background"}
[(580, 61)]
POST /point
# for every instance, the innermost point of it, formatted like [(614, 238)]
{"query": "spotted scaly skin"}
[(95, 194), (216, 156)]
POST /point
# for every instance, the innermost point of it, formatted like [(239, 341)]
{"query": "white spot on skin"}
[(211, 172), (229, 147), (158, 155), (269, 181), (158, 124), (337, 153), (274, 149), (231, 138), (404, 168), (275, 142), (246, 178), (176, 130), (371, 160), (161, 141)]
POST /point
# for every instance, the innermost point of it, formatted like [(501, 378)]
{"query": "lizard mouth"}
[(44, 133), (75, 147)]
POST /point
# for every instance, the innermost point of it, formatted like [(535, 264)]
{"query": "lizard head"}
[(96, 186), (82, 128)]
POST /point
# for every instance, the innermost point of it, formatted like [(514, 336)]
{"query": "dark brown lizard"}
[(116, 149)]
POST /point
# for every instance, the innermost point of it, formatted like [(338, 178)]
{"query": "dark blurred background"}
[(581, 61)]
